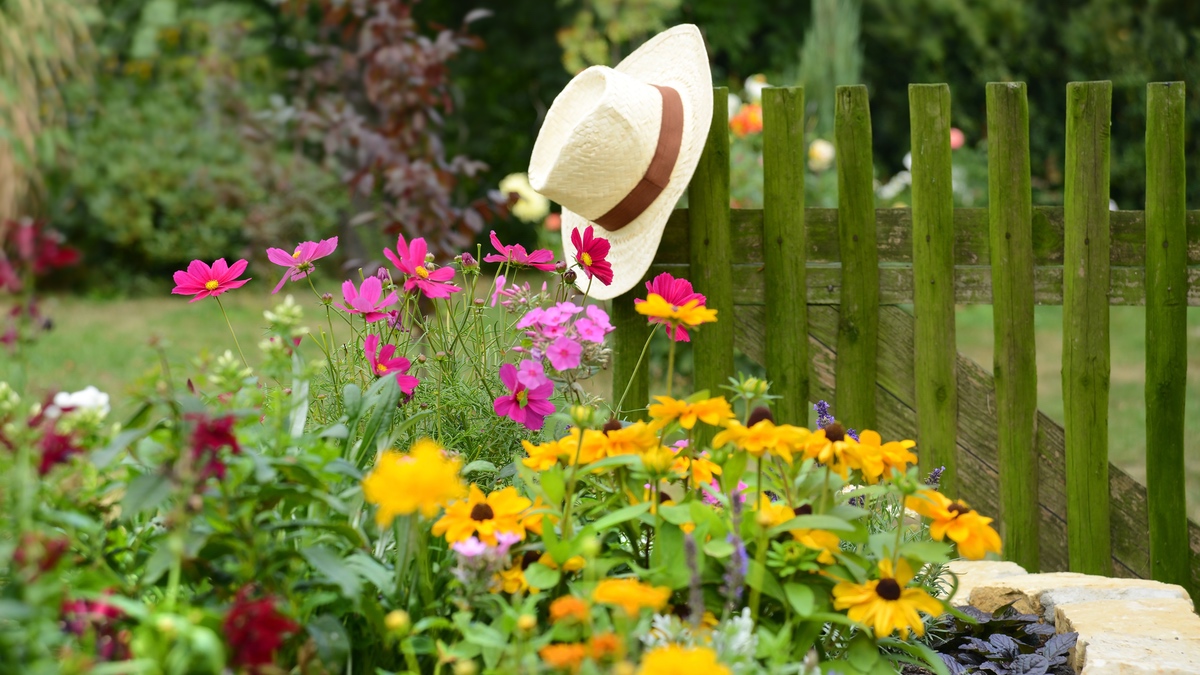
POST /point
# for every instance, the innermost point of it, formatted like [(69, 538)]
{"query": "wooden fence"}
[(835, 275)]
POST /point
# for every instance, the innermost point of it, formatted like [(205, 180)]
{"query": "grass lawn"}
[(109, 344)]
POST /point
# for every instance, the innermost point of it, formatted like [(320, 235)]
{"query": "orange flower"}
[(633, 439), (573, 564), (748, 120), (830, 446), (541, 457), (631, 595), (568, 607), (972, 532), (532, 520), (564, 655), (764, 436), (876, 459), (604, 645), (713, 412)]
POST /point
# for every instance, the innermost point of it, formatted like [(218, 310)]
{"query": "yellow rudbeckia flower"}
[(423, 480), (886, 604), (968, 529), (484, 516), (690, 314)]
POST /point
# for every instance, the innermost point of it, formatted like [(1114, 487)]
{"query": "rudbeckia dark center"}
[(482, 512), (803, 510), (613, 424), (888, 589), (958, 508), (529, 558), (835, 432), (759, 414)]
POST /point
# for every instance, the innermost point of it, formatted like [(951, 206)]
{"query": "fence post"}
[(630, 382), (1086, 361), (1166, 333), (712, 257), (933, 281), (858, 315), (784, 253), (1010, 219)]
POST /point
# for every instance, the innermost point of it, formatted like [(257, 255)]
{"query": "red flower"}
[(82, 616), (254, 630), (203, 281), (590, 254), (542, 259), (56, 449), (208, 439), (677, 292), (39, 553)]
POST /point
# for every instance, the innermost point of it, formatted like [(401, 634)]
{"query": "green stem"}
[(401, 534), (760, 556), (175, 545), (231, 331), (566, 521), (636, 367), (670, 366)]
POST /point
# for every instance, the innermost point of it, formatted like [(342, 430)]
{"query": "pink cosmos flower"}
[(366, 300), (498, 290), (299, 263), (203, 281), (564, 353), (677, 292), (542, 259), (387, 363), (594, 326), (410, 260), (524, 405), (590, 254)]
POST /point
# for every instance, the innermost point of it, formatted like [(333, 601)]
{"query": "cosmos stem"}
[(231, 331)]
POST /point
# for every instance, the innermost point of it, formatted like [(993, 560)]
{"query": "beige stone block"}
[(974, 573), (1153, 635), (1040, 593)]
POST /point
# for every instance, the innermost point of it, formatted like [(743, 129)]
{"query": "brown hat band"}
[(658, 174)]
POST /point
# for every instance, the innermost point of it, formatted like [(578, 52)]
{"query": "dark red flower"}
[(82, 616), (56, 449), (39, 553), (210, 436), (254, 629)]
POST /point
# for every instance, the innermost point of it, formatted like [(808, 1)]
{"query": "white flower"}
[(89, 398), (754, 86), (735, 104), (531, 206), (907, 161), (1112, 205), (820, 155), (895, 186)]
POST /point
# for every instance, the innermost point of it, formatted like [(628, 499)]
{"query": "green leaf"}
[(102, 458), (479, 465), (734, 468), (542, 577), (676, 514), (352, 401), (331, 639), (158, 564), (862, 653), (757, 576), (800, 597), (329, 563), (926, 551), (621, 515), (145, 493), (382, 412), (924, 654), (554, 485), (370, 569), (718, 548), (812, 522)]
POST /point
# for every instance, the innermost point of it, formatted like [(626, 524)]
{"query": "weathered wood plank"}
[(893, 228), (1015, 362), (711, 256), (933, 279), (1086, 360), (786, 357), (1166, 332), (859, 314)]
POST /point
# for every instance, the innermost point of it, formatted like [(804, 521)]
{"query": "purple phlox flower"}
[(470, 548), (299, 263), (852, 433), (564, 353), (531, 373), (505, 541), (935, 477), (709, 492), (533, 317), (594, 326)]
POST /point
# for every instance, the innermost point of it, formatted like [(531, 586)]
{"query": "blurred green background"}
[(152, 132)]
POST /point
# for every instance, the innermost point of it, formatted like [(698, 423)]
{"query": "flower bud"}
[(421, 358), (397, 621), (326, 298), (590, 547), (526, 622), (583, 416), (479, 302), (465, 667), (569, 276), (428, 257), (763, 519), (469, 261), (560, 267)]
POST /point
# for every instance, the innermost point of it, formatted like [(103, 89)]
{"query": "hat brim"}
[(674, 58)]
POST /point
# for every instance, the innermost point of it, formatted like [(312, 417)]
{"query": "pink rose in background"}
[(957, 138)]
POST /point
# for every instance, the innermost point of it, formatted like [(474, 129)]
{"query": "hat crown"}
[(597, 140)]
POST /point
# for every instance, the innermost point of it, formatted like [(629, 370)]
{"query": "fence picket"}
[(786, 333), (858, 323), (1166, 333), (1086, 361), (933, 280), (1015, 366), (712, 257)]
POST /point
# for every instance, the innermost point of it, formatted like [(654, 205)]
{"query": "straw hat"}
[(619, 146)]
